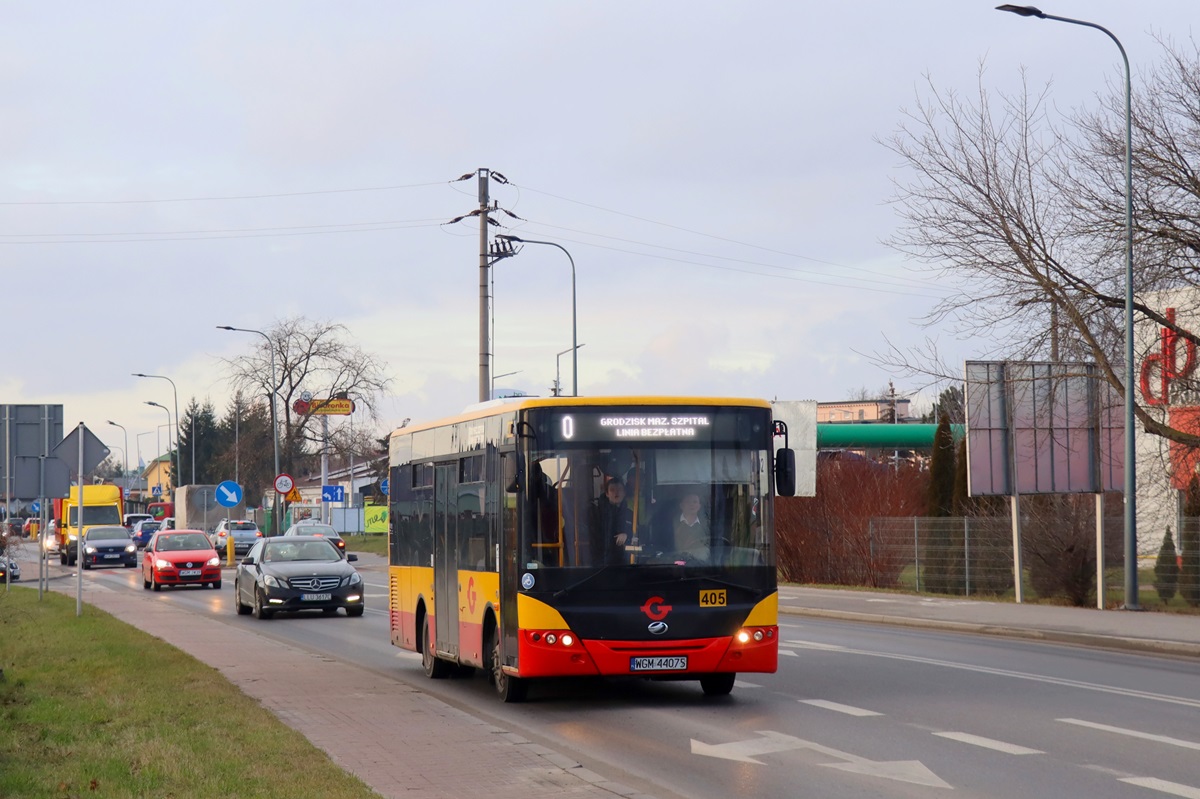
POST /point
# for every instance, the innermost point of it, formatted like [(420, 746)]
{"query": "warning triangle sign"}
[(294, 495)]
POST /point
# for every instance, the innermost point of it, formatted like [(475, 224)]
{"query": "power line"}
[(222, 198)]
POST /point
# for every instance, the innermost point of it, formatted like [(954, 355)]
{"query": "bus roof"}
[(495, 407)]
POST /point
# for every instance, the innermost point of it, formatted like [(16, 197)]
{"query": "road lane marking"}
[(849, 710), (1173, 788), (814, 645), (770, 741), (988, 743), (1019, 675), (1146, 736)]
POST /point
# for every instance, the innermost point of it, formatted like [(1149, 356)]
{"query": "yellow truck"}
[(102, 504)]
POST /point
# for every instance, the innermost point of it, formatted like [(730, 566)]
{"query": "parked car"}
[(9, 570), (245, 533), (307, 527), (297, 573), (130, 520), (180, 557), (143, 530), (107, 545)]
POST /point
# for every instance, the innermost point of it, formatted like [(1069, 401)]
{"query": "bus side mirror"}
[(785, 472)]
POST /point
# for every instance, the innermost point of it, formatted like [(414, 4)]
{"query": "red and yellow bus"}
[(507, 554)]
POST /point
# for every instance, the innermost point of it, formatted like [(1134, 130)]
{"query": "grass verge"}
[(375, 543), (93, 707)]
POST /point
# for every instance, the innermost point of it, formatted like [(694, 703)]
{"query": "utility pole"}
[(485, 380)]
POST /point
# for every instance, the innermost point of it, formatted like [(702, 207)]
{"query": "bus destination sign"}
[(647, 425)]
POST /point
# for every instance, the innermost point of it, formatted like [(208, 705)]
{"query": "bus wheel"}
[(435, 667), (717, 684), (508, 688)]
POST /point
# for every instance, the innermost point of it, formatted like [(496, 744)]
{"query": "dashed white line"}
[(988, 743), (814, 645), (849, 710), (1146, 736)]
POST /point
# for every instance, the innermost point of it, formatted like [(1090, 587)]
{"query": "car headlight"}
[(131, 547), (271, 581), (214, 561), (90, 550), (163, 564), (355, 579)]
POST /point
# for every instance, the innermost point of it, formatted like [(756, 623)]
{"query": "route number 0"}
[(568, 427)]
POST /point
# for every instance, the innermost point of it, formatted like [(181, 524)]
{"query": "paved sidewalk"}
[(1156, 633)]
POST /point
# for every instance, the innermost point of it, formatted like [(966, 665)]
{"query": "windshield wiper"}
[(564, 592)]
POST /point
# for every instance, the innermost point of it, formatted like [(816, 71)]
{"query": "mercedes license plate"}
[(189, 572), (678, 663), (315, 597)]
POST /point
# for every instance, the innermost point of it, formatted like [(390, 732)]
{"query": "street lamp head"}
[(225, 327), (509, 237), (1022, 11), (139, 374), (155, 404)]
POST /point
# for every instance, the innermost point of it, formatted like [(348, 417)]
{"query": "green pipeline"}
[(848, 435)]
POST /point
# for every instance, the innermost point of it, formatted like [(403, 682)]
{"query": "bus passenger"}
[(691, 530), (611, 523)]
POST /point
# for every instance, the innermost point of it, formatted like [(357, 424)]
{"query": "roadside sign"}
[(284, 483), (324, 407), (94, 450), (333, 493), (294, 495), (229, 494), (383, 486), (35, 507), (157, 490)]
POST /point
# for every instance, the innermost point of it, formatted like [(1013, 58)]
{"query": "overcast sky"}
[(713, 168)]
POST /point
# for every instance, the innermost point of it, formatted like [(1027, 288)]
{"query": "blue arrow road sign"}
[(333, 494), (35, 507), (383, 486), (229, 494)]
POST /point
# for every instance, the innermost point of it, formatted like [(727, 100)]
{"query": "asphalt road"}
[(855, 710)]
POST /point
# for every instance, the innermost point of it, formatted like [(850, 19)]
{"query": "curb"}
[(1094, 640)]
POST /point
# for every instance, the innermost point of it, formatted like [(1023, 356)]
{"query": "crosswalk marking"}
[(988, 743), (1146, 736), (849, 710)]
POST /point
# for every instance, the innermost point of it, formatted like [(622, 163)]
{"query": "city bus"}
[(503, 556)]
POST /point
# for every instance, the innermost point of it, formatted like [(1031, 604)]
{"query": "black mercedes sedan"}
[(297, 573)]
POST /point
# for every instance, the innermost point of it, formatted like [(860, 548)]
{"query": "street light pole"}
[(574, 317), (274, 421), (168, 410), (1131, 576), (178, 455), (557, 370), (126, 450)]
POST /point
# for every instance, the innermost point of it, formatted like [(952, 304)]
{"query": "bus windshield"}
[(628, 489)]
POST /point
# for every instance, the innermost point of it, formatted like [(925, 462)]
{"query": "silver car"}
[(244, 533)]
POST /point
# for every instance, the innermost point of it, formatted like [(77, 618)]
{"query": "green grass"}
[(93, 707), (375, 543)]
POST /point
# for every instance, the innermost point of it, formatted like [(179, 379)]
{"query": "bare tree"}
[(314, 357), (1022, 214)]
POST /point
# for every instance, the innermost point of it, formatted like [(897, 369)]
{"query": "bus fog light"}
[(551, 638), (758, 635), (743, 636)]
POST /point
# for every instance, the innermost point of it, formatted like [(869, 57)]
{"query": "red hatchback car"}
[(180, 557)]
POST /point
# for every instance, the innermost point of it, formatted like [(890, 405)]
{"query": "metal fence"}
[(973, 555)]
